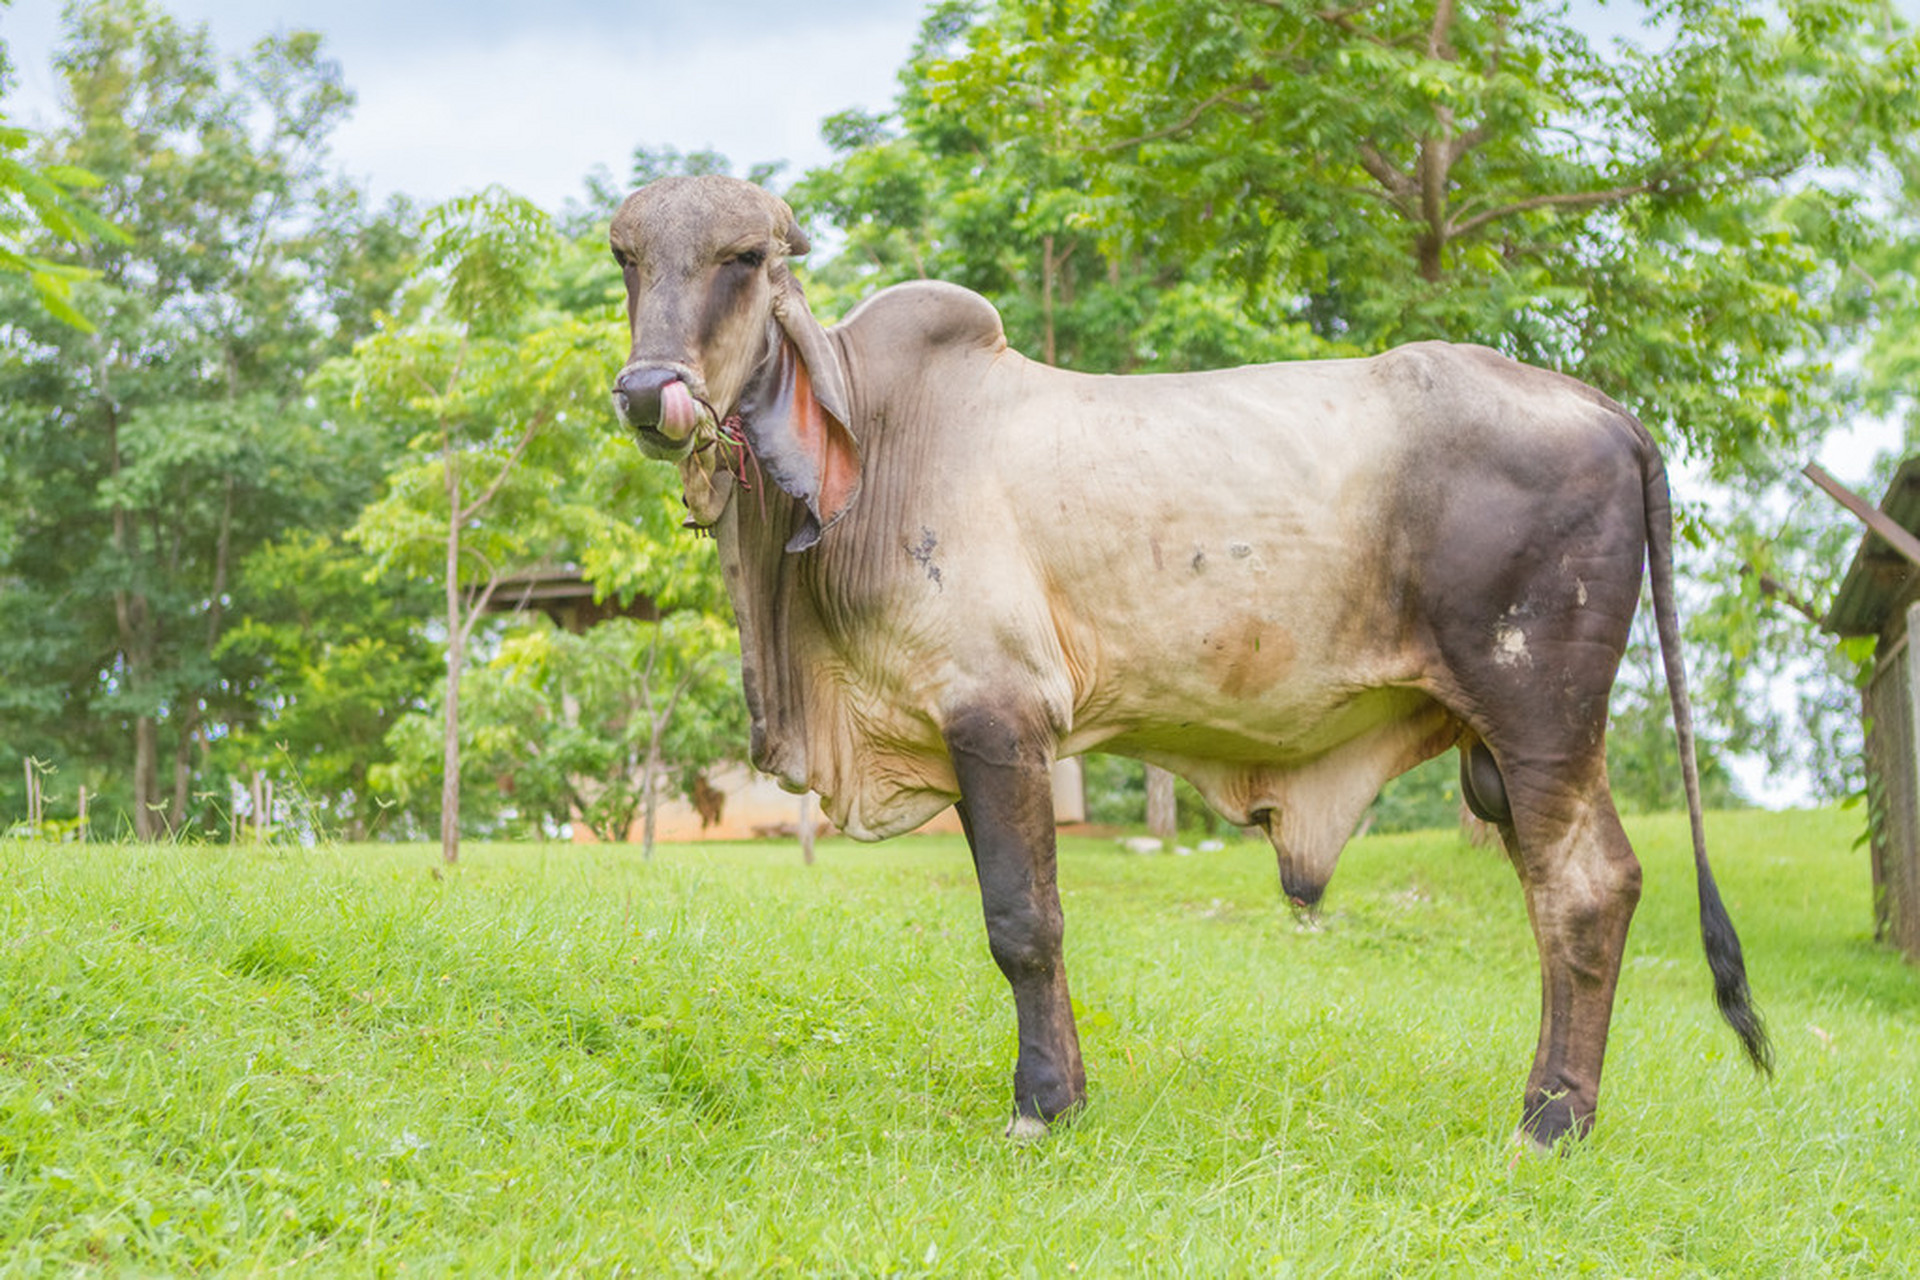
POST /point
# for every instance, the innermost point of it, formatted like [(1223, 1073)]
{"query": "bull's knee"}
[(1584, 921), (1024, 939)]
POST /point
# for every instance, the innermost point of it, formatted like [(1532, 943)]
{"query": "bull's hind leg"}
[(1538, 771), (1582, 883), (1528, 563), (1006, 806)]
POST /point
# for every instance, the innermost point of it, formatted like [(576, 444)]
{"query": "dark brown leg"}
[(1006, 806), (1582, 883)]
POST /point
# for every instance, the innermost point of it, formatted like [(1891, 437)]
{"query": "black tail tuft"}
[(1729, 968), (1716, 929)]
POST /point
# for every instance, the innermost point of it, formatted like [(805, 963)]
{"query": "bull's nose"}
[(637, 394)]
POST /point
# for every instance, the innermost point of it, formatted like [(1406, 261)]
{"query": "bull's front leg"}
[(1006, 805)]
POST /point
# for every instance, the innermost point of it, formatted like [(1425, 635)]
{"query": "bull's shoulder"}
[(925, 314)]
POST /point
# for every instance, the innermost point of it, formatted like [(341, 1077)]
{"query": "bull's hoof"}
[(1026, 1128), (1550, 1118), (1526, 1146)]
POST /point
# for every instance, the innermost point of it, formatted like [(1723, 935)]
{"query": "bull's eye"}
[(750, 258)]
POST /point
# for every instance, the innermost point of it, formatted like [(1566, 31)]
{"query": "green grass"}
[(563, 1060)]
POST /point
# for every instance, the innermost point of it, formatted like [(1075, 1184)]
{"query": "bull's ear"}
[(815, 348), (799, 426)]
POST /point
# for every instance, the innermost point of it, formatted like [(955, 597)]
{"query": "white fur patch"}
[(1510, 646)]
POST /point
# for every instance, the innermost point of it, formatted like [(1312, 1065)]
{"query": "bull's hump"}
[(932, 313)]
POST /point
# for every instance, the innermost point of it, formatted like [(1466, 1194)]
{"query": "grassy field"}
[(560, 1061)]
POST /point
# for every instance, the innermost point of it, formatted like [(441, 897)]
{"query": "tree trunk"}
[(1162, 811), (450, 742), (190, 720), (456, 659), (146, 779), (1048, 353), (130, 617), (182, 776), (649, 798)]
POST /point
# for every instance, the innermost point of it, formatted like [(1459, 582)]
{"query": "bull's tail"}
[(1717, 935)]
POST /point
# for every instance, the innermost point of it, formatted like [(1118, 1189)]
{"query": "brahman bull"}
[(952, 566)]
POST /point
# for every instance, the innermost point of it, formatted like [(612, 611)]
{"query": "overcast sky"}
[(454, 96)]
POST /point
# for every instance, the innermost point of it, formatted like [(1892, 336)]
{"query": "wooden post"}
[(1069, 791), (1903, 851), (806, 827), (1875, 519), (33, 797), (83, 812), (1163, 815)]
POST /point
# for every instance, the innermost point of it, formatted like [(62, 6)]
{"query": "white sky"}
[(456, 96)]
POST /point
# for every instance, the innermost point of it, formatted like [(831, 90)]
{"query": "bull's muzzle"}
[(640, 395), (657, 404)]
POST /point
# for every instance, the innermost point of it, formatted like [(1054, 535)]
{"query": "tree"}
[(149, 457), (562, 728), (512, 463), (1676, 224), (42, 200), (331, 656)]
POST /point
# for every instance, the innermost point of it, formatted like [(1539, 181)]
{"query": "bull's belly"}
[(1268, 755), (1287, 728)]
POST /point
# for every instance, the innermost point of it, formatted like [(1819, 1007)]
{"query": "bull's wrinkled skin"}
[(1288, 583)]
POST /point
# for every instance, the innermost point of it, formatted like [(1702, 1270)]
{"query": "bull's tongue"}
[(679, 414)]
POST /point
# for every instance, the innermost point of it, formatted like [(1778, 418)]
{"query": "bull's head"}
[(722, 332)]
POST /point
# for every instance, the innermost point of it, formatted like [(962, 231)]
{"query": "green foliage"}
[(723, 1062), (148, 458), (511, 469), (1676, 224), (42, 200), (503, 407), (560, 728), (1425, 798), (1001, 203), (492, 247), (1116, 795), (1116, 789), (331, 656)]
